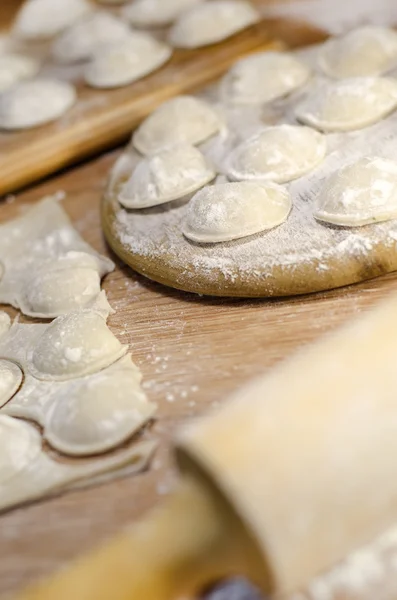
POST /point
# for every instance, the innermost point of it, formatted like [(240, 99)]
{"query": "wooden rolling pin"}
[(296, 471)]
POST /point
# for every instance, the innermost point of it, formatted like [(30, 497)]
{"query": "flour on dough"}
[(11, 378), (156, 13), (124, 62), (231, 211), (360, 193), (349, 104), (263, 77), (171, 174), (183, 119), (20, 445), (212, 22), (5, 323), (85, 37), (15, 68), (43, 19), (364, 51), (33, 103)]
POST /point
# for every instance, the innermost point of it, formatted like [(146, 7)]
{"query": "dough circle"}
[(349, 104), (20, 445), (360, 193), (33, 103), (230, 211), (263, 77), (43, 19), (11, 378), (15, 68), (156, 13), (124, 62), (5, 323), (211, 22), (280, 154)]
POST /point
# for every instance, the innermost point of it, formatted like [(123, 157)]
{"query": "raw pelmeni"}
[(183, 119), (263, 77), (11, 378), (166, 176), (5, 323), (15, 68), (360, 193), (364, 51), (230, 211), (124, 62), (349, 104), (212, 22), (43, 19), (156, 13), (33, 103), (280, 153), (85, 37)]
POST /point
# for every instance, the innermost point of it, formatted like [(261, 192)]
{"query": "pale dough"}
[(212, 22), (231, 211), (183, 119), (364, 51), (43, 19), (166, 176), (5, 323), (15, 68), (85, 37), (33, 103), (156, 13), (263, 77), (349, 104), (360, 193), (11, 378), (124, 62), (280, 153)]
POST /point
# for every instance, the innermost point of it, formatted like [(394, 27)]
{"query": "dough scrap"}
[(33, 103), (281, 153), (11, 378), (184, 119), (43, 19), (5, 323), (124, 62), (362, 52), (166, 176), (263, 77), (212, 22), (85, 37), (15, 68), (360, 193), (156, 13), (349, 104), (231, 211)]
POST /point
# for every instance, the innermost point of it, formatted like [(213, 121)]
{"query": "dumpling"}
[(349, 104), (364, 51), (183, 119), (263, 77), (281, 154), (15, 68), (20, 445), (82, 39), (43, 19), (360, 193), (11, 378), (156, 13), (5, 323), (212, 22), (230, 211), (73, 345), (33, 103), (124, 62), (166, 176), (96, 414)]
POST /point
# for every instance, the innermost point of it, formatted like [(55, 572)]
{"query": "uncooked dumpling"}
[(183, 119), (76, 344), (169, 175), (10, 380), (97, 414), (15, 68), (5, 323), (264, 77), (124, 62), (43, 19), (20, 445), (230, 211), (33, 103), (212, 22), (364, 51), (156, 13), (88, 35), (360, 193), (281, 154), (349, 104)]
